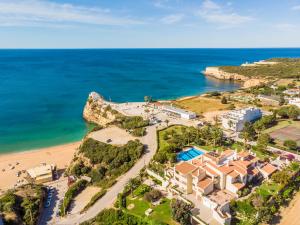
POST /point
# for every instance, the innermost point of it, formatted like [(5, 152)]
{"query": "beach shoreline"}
[(60, 155)]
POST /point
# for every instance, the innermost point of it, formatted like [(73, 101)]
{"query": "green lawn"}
[(161, 212), (163, 143)]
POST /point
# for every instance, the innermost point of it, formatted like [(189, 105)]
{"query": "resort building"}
[(179, 112), (41, 174), (261, 62), (214, 179), (235, 120), (270, 100), (267, 170), (294, 101), (292, 92)]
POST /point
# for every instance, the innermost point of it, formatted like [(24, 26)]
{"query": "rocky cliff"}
[(217, 73), (97, 110), (220, 74)]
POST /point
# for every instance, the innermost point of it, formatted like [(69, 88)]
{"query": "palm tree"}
[(131, 185), (167, 122)]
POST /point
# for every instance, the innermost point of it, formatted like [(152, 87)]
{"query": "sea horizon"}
[(43, 93)]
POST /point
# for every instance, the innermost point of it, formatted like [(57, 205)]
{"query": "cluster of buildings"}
[(215, 179), (235, 119)]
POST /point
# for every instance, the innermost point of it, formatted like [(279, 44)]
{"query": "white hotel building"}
[(235, 120)]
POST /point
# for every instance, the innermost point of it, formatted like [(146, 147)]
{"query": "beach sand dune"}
[(10, 164)]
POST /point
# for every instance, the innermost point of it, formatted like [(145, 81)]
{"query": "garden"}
[(263, 204)]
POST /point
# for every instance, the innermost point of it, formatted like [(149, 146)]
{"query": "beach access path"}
[(150, 141)]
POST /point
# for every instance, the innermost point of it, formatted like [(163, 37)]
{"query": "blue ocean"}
[(43, 92)]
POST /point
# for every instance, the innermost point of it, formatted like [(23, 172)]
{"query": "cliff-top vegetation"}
[(285, 68)]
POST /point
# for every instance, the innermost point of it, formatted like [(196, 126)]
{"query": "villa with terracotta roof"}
[(219, 174)]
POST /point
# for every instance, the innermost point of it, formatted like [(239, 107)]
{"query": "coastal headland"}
[(256, 73), (219, 73)]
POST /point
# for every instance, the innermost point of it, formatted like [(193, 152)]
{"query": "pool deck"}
[(181, 155)]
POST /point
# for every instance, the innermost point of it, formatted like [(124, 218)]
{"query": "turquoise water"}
[(42, 92), (189, 154)]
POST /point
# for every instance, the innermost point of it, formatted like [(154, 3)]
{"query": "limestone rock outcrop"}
[(217, 73), (97, 110)]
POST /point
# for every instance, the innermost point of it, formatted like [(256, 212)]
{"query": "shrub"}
[(290, 144), (224, 100), (141, 190), (181, 211), (139, 132), (131, 122), (121, 200), (153, 195), (74, 190)]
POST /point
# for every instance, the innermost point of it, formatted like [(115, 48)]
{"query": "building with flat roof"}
[(294, 101), (180, 112), (235, 120), (41, 174)]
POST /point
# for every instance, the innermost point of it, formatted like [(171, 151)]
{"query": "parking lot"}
[(50, 211)]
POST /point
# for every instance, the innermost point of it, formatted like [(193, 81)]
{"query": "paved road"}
[(107, 200)]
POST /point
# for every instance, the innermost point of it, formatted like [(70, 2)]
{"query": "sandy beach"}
[(60, 155)]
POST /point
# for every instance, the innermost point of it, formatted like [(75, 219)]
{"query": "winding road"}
[(150, 141)]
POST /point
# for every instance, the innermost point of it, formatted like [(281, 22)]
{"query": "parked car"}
[(47, 204)]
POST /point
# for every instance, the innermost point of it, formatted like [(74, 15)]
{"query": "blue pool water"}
[(189, 154), (43, 92)]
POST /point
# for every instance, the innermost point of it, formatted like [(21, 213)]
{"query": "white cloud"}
[(40, 13), (296, 7), (214, 13), (210, 5), (173, 18), (160, 3), (286, 26)]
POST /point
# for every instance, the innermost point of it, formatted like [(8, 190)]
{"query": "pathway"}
[(107, 200)]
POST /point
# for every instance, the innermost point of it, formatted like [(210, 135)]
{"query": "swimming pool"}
[(189, 154)]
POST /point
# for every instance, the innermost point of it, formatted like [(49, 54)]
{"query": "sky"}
[(149, 23)]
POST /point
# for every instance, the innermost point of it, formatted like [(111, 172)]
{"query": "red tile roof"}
[(204, 183), (269, 169), (185, 168), (239, 186)]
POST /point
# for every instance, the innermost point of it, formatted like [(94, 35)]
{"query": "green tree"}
[(248, 133), (262, 142), (293, 112), (167, 122), (290, 144), (181, 211)]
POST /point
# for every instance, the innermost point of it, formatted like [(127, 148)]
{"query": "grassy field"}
[(160, 212), (201, 105), (163, 143)]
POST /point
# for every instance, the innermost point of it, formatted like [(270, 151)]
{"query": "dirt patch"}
[(83, 198), (287, 133), (290, 215), (115, 135), (201, 104), (130, 206)]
